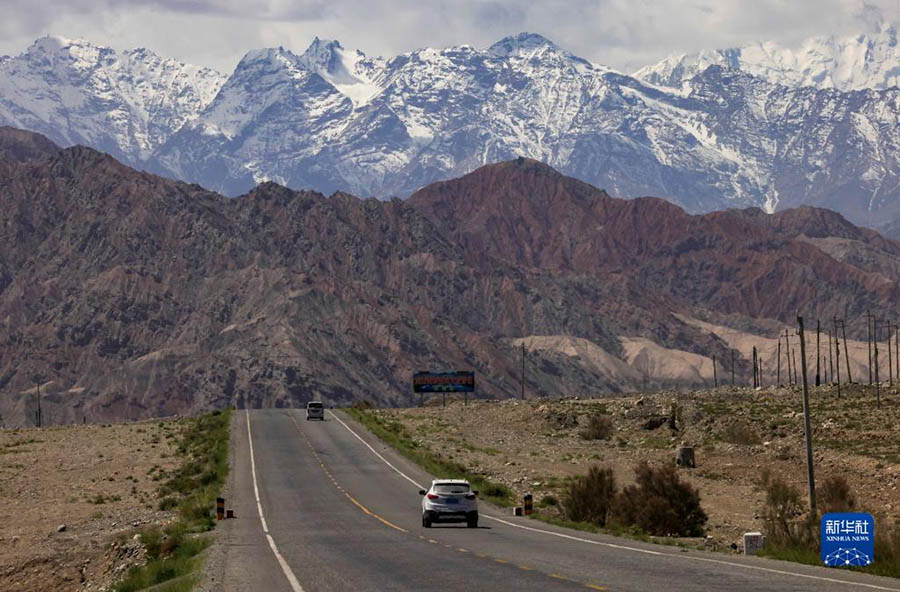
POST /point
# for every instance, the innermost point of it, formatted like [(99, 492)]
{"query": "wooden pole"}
[(837, 359), (846, 353), (794, 363), (715, 375), (787, 354), (732, 367), (869, 341), (811, 477), (818, 381), (754, 367), (830, 358), (875, 349), (890, 357), (523, 371), (778, 371)]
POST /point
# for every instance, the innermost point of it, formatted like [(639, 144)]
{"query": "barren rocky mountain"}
[(127, 295)]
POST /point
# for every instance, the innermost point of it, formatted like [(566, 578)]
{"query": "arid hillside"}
[(127, 295)]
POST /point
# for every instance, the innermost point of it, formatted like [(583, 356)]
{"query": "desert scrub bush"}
[(548, 501), (784, 515), (834, 495), (660, 503), (589, 498), (740, 433), (599, 427)]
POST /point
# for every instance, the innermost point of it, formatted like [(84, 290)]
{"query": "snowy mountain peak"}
[(277, 57), (856, 62), (523, 44), (348, 71)]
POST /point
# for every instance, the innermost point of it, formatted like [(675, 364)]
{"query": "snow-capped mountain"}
[(333, 119), (845, 63), (125, 103)]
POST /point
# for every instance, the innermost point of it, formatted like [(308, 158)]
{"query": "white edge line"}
[(625, 547), (288, 573)]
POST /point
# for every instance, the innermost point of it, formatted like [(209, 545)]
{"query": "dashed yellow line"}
[(368, 512)]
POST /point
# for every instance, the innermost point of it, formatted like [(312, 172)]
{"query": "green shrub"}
[(589, 498), (660, 503), (548, 501), (599, 427)]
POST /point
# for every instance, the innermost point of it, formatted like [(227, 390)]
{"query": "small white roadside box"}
[(753, 542)]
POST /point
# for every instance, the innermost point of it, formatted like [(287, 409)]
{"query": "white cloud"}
[(621, 33)]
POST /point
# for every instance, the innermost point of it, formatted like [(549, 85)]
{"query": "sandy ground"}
[(97, 481), (533, 446)]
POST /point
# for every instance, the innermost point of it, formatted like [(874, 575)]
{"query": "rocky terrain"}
[(125, 295), (535, 445), (72, 498), (743, 127)]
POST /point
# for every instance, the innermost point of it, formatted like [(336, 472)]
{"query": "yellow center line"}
[(595, 587), (461, 550), (350, 497), (526, 568), (558, 577), (501, 560)]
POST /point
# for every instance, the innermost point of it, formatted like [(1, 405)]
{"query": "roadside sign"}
[(444, 382), (847, 539)]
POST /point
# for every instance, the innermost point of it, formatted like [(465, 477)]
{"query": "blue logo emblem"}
[(848, 539)]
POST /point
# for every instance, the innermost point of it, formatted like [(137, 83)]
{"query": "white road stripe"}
[(288, 573), (626, 547)]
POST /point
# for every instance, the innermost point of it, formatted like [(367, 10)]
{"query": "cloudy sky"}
[(624, 34)]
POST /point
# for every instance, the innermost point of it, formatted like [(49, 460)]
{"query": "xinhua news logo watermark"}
[(848, 539)]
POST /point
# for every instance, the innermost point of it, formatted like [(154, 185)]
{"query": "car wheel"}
[(472, 521), (426, 520)]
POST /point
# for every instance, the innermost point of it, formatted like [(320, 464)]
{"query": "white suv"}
[(315, 410), (450, 500)]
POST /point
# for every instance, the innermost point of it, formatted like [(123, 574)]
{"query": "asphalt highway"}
[(325, 506)]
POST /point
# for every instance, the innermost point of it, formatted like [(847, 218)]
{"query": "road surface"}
[(325, 506)]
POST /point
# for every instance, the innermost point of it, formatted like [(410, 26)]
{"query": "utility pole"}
[(846, 353), (778, 371), (875, 344), (787, 354), (794, 361), (830, 358), (754, 368), (732, 367), (523, 370), (869, 341), (759, 371), (837, 358), (890, 357), (715, 375), (818, 381), (40, 415), (811, 477)]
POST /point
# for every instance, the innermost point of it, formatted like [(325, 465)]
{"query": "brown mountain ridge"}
[(128, 295)]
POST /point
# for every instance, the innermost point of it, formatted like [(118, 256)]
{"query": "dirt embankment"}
[(535, 445), (71, 498)]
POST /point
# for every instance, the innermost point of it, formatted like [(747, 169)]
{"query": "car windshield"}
[(314, 405), (451, 488)]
